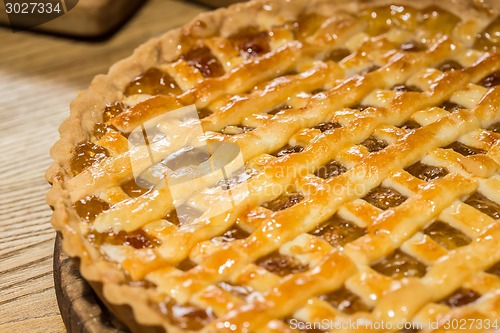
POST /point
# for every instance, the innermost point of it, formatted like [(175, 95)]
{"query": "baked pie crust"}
[(370, 132)]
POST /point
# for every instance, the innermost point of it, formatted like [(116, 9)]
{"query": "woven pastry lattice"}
[(371, 143)]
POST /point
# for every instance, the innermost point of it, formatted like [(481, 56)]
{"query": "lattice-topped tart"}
[(359, 180)]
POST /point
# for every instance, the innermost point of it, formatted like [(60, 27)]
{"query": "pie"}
[(279, 164)]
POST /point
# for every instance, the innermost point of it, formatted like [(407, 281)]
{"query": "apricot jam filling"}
[(236, 129), (337, 54), (202, 59), (406, 88), (251, 43), (235, 179), (381, 19), (137, 239), (187, 317), (132, 189), (153, 82), (410, 125), (283, 202), (400, 265), (412, 46), (110, 111), (236, 290), (495, 269), (495, 128), (279, 109), (450, 106), (281, 265), (370, 69), (186, 157), (338, 232), (345, 301), (439, 21), (384, 197), (203, 113), (89, 207), (491, 80), (182, 214), (373, 144), (464, 149), (330, 169), (231, 235), (288, 150), (86, 153), (461, 297), (186, 265), (323, 127), (449, 65), (306, 25), (447, 236), (485, 205), (426, 172), (489, 38), (100, 129)]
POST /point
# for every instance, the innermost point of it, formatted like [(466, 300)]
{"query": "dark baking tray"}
[(80, 307)]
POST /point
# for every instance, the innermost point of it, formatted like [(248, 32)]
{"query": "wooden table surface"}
[(39, 76)]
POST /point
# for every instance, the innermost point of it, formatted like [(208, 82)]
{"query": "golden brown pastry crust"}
[(86, 111)]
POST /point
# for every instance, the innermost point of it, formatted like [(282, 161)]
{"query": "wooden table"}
[(39, 76)]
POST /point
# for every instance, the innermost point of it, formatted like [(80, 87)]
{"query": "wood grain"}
[(39, 76)]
